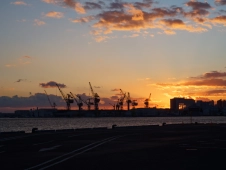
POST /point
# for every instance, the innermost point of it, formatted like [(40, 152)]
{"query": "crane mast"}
[(146, 102), (128, 101), (113, 105), (96, 98), (79, 103), (117, 105), (121, 100), (67, 98), (52, 105), (87, 103), (134, 103)]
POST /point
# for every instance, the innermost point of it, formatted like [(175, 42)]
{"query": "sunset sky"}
[(166, 48)]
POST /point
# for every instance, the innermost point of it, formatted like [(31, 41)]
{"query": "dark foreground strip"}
[(72, 154)]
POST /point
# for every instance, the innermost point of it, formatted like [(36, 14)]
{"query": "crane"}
[(96, 98), (87, 103), (52, 105), (128, 101), (113, 105), (79, 103), (121, 100), (146, 102), (134, 103), (117, 105), (68, 99)]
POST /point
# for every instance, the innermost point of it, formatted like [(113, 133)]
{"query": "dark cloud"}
[(212, 74), (40, 100), (215, 92), (220, 2), (162, 12), (70, 3), (194, 13), (116, 5), (223, 11), (144, 4), (101, 3), (114, 98), (20, 80), (212, 78), (198, 5), (198, 9), (173, 22), (92, 5), (37, 100), (52, 84), (199, 20), (28, 57), (206, 82)]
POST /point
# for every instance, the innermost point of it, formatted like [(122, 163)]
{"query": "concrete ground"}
[(185, 146)]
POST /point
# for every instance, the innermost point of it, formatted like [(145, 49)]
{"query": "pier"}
[(182, 146)]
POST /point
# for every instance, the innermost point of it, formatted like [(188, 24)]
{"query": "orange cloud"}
[(19, 3), (169, 32), (101, 38), (54, 14), (111, 16), (79, 8), (209, 84), (83, 19), (50, 1), (137, 14), (219, 20), (38, 22)]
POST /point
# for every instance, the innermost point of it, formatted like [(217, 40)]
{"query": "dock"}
[(182, 146)]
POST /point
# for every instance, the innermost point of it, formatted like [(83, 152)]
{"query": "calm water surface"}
[(26, 124)]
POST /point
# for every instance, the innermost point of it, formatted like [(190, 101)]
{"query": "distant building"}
[(35, 113), (23, 113), (180, 103), (221, 103), (203, 104)]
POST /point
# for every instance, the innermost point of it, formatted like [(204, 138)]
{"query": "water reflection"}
[(26, 124)]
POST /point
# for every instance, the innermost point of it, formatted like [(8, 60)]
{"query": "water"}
[(26, 124)]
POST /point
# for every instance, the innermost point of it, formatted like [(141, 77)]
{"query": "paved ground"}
[(150, 147)]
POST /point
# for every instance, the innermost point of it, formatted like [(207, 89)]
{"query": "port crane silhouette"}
[(79, 103), (87, 103), (68, 99), (96, 98), (128, 100), (122, 98), (113, 105), (146, 102), (52, 105)]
